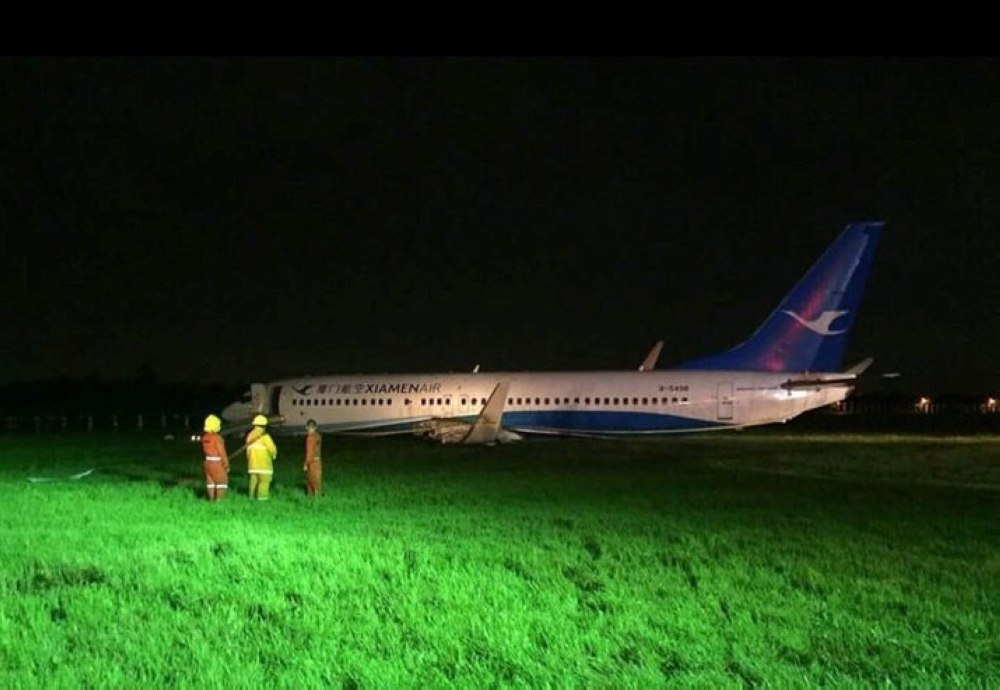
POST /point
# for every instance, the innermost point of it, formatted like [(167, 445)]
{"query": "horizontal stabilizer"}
[(848, 378), (861, 366), (840, 381)]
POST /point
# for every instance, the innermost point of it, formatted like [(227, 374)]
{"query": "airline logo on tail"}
[(821, 324), (823, 305)]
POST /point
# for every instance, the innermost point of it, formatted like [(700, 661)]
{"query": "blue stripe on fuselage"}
[(601, 422), (580, 422)]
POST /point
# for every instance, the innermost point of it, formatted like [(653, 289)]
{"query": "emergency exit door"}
[(725, 401), (272, 408)]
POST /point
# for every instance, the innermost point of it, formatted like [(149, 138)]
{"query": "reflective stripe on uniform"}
[(213, 458), (260, 471)]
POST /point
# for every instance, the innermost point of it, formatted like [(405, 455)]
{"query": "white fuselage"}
[(594, 403)]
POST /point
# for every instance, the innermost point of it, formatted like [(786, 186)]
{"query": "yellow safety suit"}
[(261, 453)]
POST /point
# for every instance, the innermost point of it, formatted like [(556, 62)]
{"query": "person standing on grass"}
[(213, 445), (313, 465), (261, 453)]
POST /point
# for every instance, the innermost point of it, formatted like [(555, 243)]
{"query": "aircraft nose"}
[(237, 411)]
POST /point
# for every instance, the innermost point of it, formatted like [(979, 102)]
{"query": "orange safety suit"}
[(216, 465), (313, 465), (261, 453)]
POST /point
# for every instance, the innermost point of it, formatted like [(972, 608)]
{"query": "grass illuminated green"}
[(789, 560)]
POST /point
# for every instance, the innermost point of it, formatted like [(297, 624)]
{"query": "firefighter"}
[(213, 445), (261, 453), (313, 465)]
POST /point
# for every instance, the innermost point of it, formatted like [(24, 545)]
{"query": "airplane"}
[(791, 364)]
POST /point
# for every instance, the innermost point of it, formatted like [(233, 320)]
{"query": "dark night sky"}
[(226, 220)]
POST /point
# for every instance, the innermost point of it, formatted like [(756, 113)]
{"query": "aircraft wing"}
[(649, 363), (486, 428)]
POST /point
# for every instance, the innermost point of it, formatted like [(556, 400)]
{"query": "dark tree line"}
[(142, 395)]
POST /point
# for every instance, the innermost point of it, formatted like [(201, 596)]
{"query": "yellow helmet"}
[(311, 424), (260, 420), (212, 423)]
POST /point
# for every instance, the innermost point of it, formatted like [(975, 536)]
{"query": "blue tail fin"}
[(809, 329)]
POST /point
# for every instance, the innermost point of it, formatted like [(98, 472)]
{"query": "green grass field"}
[(744, 559)]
